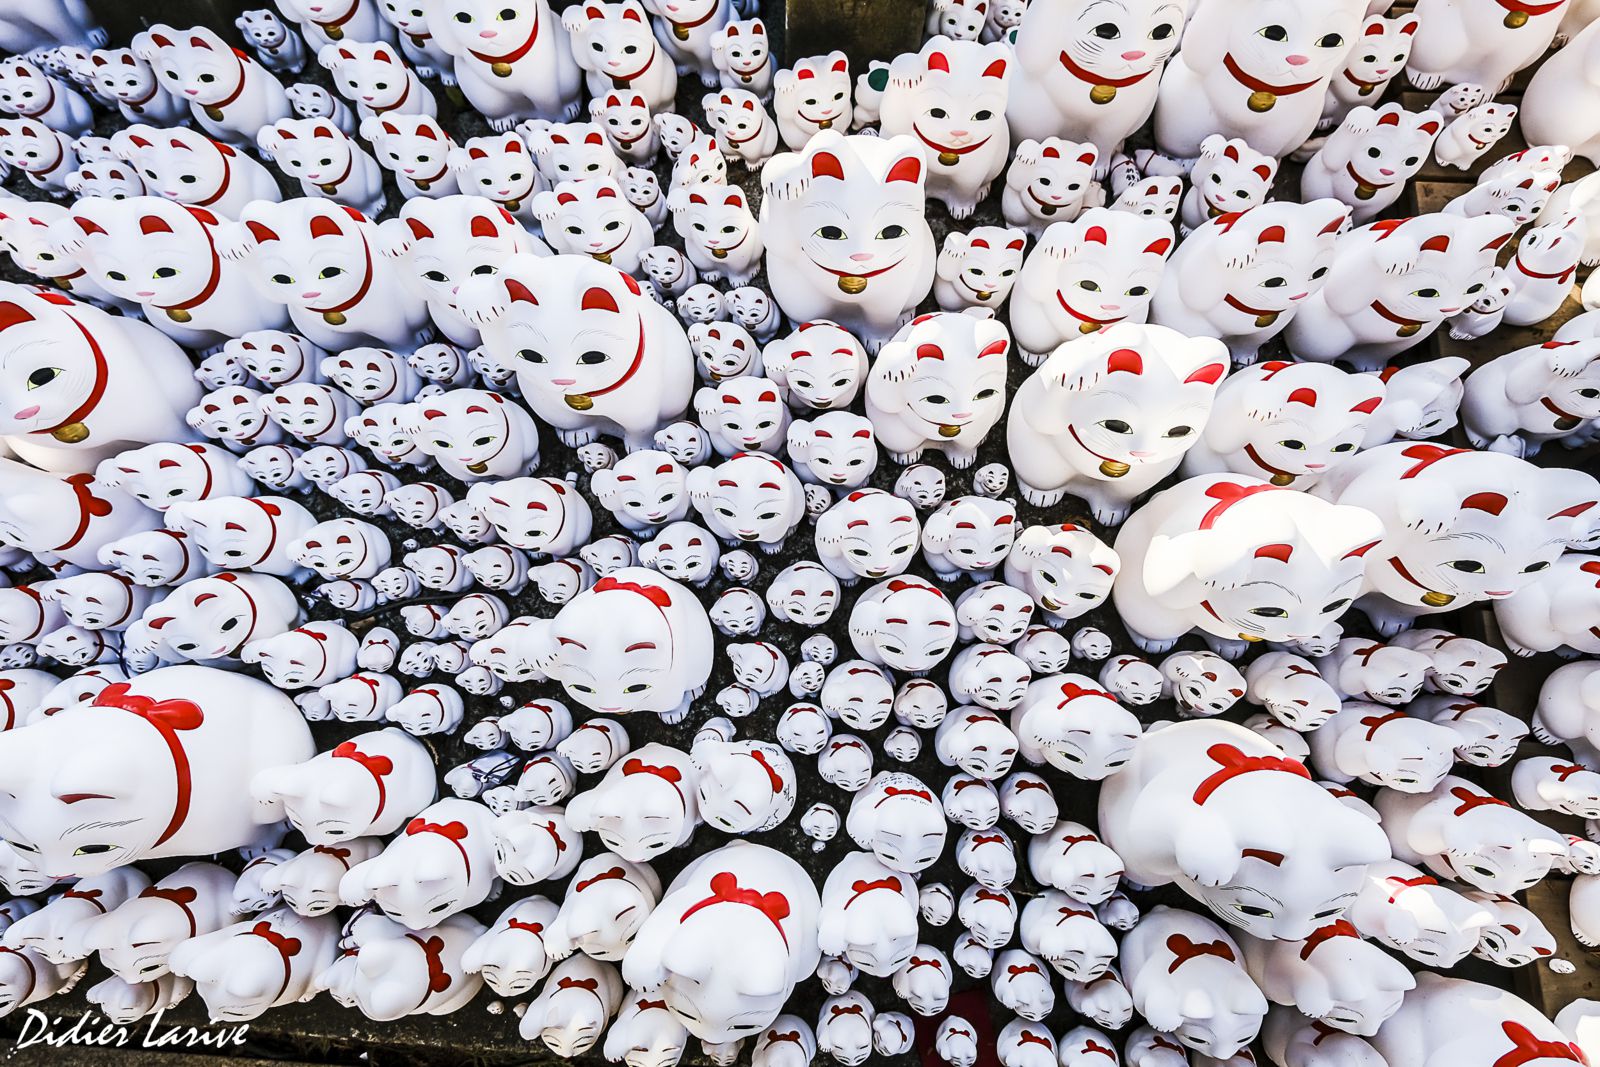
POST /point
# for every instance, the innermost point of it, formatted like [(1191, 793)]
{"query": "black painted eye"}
[(282, 279), (1373, 153), (1336, 606), (830, 233), (229, 625), (1107, 31), (43, 376), (485, 268), (1330, 40), (462, 16), (1274, 33), (1269, 613), (1116, 426), (92, 850), (1466, 566), (1180, 431), (1293, 445), (892, 232), (1534, 568), (938, 113), (1274, 283), (166, 272), (531, 356), (116, 275), (593, 359), (435, 276), (1162, 32)]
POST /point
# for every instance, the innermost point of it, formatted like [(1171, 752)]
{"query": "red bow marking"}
[(859, 887), (287, 947), (725, 890), (1341, 928), (454, 832), (377, 766), (1183, 950), (1526, 1047), (1234, 763), (168, 717), (183, 896)]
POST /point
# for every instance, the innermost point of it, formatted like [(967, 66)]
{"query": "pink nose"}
[(861, 257), (959, 133), (1297, 60), (1386, 172), (563, 382), (1131, 56), (192, 92), (1299, 296), (311, 295), (27, 413), (1136, 454), (488, 33)]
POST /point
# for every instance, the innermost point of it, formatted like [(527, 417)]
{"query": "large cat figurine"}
[(1092, 69), (846, 232), (1257, 70), (1243, 276)]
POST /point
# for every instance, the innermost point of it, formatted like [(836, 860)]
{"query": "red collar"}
[(1470, 800), (138, 105), (1350, 169), (238, 58), (860, 887), (1374, 723), (1239, 305), (182, 896), (522, 50), (272, 512), (432, 953), (366, 281), (1234, 763), (288, 947), (38, 602), (227, 177), (725, 890), (633, 368), (1525, 1046), (1341, 928), (403, 98), (1563, 275), (90, 507), (1183, 950), (51, 85), (377, 766), (1530, 9), (1080, 316), (204, 294), (168, 717), (91, 895), (703, 19), (1365, 87), (454, 832), (1092, 78), (925, 139), (349, 165), (96, 391), (1550, 406), (356, 6), (626, 78), (1255, 457), (61, 154), (1377, 305), (1250, 81)]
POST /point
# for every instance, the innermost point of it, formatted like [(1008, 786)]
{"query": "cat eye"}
[(1466, 566), (1107, 31), (892, 232), (1162, 32), (1274, 33), (1270, 613), (531, 355), (43, 376), (1330, 40), (1115, 425), (830, 233)]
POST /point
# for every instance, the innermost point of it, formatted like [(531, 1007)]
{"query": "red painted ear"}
[(1210, 374), (200, 42), (477, 153), (597, 299), (160, 41), (1281, 553), (419, 232), (1264, 171), (1409, 28), (1088, 158), (1051, 152), (1493, 503), (696, 198), (566, 198), (483, 226), (1358, 552), (12, 315), (929, 351), (839, 66), (427, 131), (1271, 235), (1333, 226), (345, 53), (908, 169), (1429, 127), (803, 74), (1095, 235), (1308, 397), (1441, 243), (1159, 247), (759, 27), (631, 14), (997, 69), (593, 138), (1125, 359), (1497, 242), (826, 165), (519, 293), (1017, 245), (260, 232), (1375, 29), (604, 191), (323, 226), (1231, 152), (631, 282), (391, 129), (206, 218), (149, 224), (1368, 406), (1389, 118), (88, 226)]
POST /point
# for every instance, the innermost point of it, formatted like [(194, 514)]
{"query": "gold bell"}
[(620, 83), (851, 283), (329, 188), (680, 32), (1102, 94), (1263, 321), (478, 468), (333, 318), (335, 33), (578, 402), (1261, 100), (1567, 422), (949, 431), (1212, 210), (178, 315), (825, 124), (719, 253), (604, 257), (1282, 478), (1047, 209), (949, 159), (71, 433), (983, 294), (500, 69), (65, 283), (213, 113), (745, 78), (1436, 600), (1365, 90), (1408, 329), (1114, 469), (1365, 191), (1088, 327), (422, 185), (514, 204), (1515, 20), (1251, 638)]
